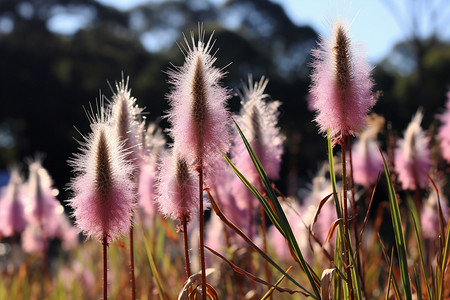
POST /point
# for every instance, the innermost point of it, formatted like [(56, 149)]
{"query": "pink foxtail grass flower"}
[(126, 118), (341, 95), (444, 131), (341, 86), (258, 120), (199, 118), (412, 156), (12, 210), (104, 194), (177, 194), (367, 161)]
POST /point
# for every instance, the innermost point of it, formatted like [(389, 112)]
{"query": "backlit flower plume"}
[(341, 85), (103, 191), (412, 156), (12, 211), (198, 115), (444, 131), (367, 160), (126, 119), (258, 120), (177, 188)]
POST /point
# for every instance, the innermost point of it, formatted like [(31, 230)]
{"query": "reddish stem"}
[(105, 267), (132, 280), (186, 247), (201, 217)]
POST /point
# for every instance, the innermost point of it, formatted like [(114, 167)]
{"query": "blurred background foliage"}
[(47, 76)]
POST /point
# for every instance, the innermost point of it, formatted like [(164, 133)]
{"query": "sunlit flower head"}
[(341, 89), (103, 191), (198, 115), (177, 188)]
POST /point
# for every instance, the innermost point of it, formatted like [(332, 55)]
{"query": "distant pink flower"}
[(295, 215), (444, 131), (103, 192), (366, 157), (429, 217), (33, 240), (40, 199), (412, 156), (258, 120), (198, 115), (341, 86), (153, 146), (12, 211), (177, 188)]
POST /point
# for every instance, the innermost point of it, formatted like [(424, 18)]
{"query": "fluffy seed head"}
[(177, 188), (258, 121), (198, 115), (444, 131), (341, 86), (126, 118), (103, 191), (367, 161), (412, 156)]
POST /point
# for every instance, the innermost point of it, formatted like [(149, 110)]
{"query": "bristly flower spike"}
[(177, 188), (412, 156), (341, 86), (127, 121), (103, 192), (198, 115), (444, 131), (258, 121)]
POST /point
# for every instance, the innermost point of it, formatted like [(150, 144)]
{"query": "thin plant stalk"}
[(201, 217), (186, 247), (264, 236), (105, 267), (346, 231), (132, 279), (355, 221)]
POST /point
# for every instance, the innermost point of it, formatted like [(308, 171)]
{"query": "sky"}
[(376, 24)]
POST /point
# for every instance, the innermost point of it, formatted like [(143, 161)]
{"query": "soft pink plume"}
[(341, 85), (198, 115), (444, 131), (412, 156), (12, 210), (103, 192)]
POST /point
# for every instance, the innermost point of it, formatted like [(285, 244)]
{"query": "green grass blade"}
[(417, 230), (151, 261), (398, 233)]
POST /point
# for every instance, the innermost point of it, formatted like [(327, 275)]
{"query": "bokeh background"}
[(56, 57)]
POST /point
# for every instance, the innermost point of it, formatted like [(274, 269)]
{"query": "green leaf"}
[(398, 233)]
